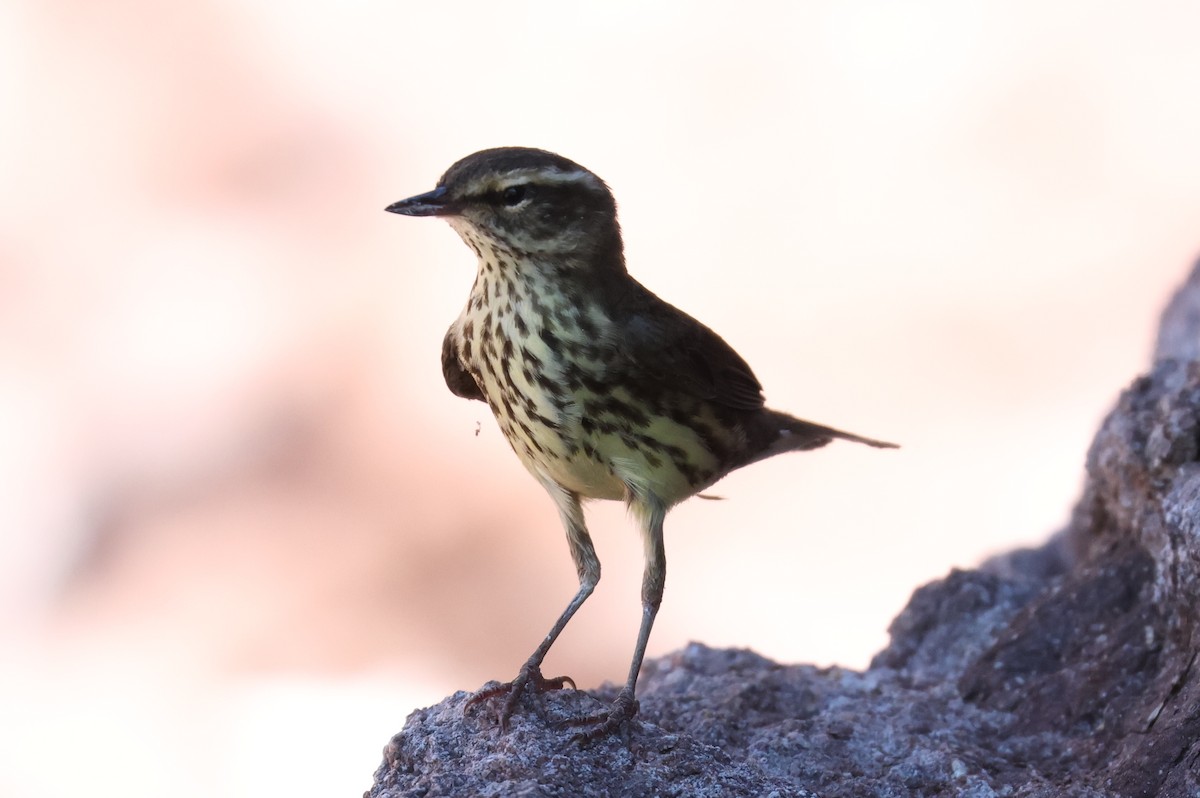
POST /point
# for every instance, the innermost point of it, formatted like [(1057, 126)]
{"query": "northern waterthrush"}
[(603, 390)]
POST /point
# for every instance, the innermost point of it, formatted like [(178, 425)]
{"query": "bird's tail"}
[(784, 433)]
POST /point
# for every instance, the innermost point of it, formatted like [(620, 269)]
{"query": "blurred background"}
[(244, 527)]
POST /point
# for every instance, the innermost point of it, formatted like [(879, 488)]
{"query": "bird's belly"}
[(588, 445), (548, 435), (572, 421), (579, 473), (615, 463)]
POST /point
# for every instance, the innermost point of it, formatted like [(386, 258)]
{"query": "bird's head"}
[(525, 204)]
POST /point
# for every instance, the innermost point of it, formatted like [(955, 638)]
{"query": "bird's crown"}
[(525, 201), (488, 174)]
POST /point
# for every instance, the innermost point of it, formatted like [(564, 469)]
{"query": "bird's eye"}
[(513, 195)]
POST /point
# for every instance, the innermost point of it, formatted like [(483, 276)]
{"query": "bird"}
[(602, 389)]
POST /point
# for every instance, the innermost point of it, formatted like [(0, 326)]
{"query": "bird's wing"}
[(458, 379), (664, 344)]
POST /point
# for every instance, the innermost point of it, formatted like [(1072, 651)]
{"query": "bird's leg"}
[(588, 567), (651, 513)]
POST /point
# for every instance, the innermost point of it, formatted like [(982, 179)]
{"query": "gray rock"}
[(1064, 671)]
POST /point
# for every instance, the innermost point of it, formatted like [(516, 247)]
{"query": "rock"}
[(1064, 671)]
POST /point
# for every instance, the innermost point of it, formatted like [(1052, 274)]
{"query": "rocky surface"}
[(1068, 670)]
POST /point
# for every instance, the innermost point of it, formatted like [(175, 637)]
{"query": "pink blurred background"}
[(246, 528)]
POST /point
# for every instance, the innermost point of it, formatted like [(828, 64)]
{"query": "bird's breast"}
[(551, 369)]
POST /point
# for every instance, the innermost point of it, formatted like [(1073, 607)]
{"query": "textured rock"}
[(1068, 670)]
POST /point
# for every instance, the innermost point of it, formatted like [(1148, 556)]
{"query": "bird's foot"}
[(530, 678), (605, 723)]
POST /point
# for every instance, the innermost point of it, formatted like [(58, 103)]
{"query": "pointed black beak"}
[(431, 203)]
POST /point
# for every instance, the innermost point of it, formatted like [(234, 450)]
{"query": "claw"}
[(530, 678), (603, 724)]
